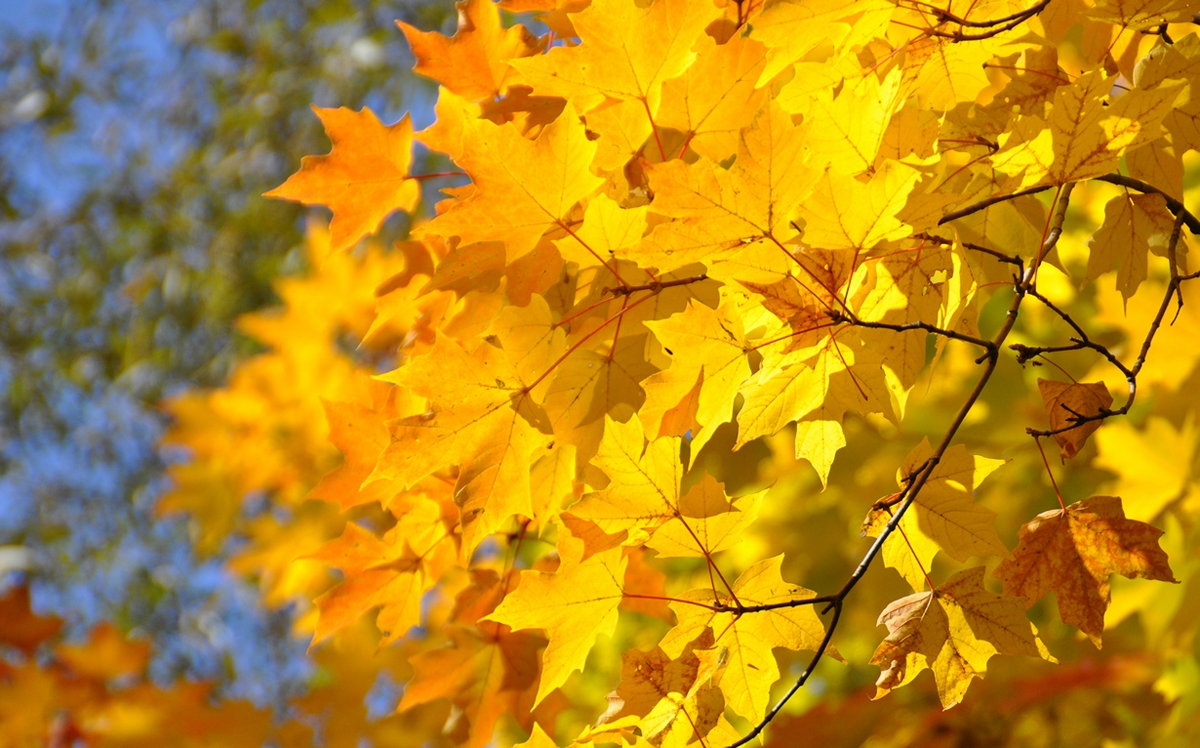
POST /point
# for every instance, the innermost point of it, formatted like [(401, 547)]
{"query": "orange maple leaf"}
[(474, 62), (364, 177), (487, 670), (392, 573), (1072, 552)]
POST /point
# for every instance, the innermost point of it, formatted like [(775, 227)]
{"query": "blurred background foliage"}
[(135, 140)]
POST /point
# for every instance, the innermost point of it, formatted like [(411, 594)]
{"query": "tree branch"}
[(1021, 286), (1131, 372), (983, 204), (994, 27), (852, 319), (656, 286), (1010, 259), (1177, 208), (946, 15)]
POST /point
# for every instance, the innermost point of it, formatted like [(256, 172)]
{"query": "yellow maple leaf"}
[(793, 28), (643, 498), (844, 213), (706, 521), (953, 630), (750, 668), (591, 385), (573, 605), (1177, 62), (520, 188), (839, 378), (363, 179), (625, 52), (847, 132), (944, 516), (1132, 225), (668, 700), (903, 289), (643, 482), (717, 210), (1084, 137), (482, 417), (716, 97), (607, 229), (1139, 15), (1073, 551), (945, 74), (703, 342)]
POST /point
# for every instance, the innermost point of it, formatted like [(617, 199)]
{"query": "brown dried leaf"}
[(1064, 402), (1072, 552)]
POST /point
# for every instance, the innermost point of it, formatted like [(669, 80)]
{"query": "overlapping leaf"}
[(573, 606), (504, 203), (953, 631), (750, 669), (474, 62), (944, 516)]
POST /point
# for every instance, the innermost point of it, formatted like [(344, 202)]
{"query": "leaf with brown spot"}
[(20, 627), (670, 701)]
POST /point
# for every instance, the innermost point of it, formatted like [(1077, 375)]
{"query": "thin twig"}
[(655, 286), (1010, 259), (852, 319), (1177, 208), (983, 204), (1131, 373), (995, 28)]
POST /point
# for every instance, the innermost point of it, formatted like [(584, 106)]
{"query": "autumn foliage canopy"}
[(759, 358)]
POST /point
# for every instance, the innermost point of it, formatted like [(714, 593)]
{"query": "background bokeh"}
[(136, 138)]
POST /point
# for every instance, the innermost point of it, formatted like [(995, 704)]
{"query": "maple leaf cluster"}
[(682, 228)]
